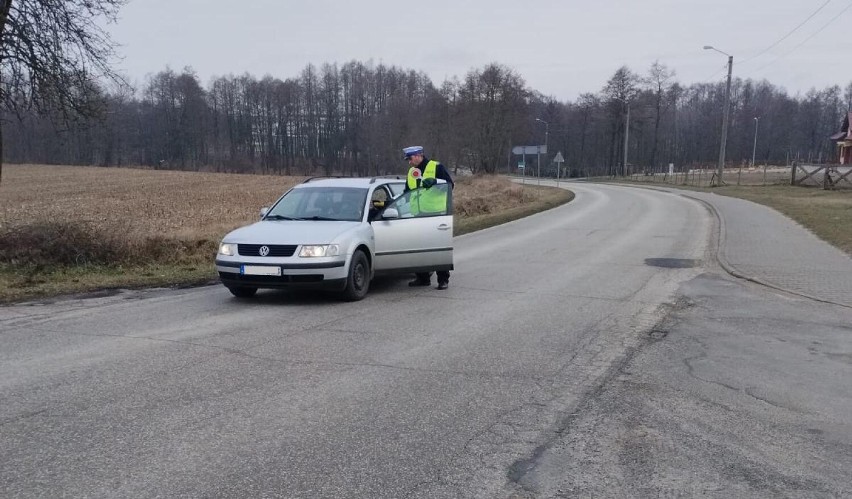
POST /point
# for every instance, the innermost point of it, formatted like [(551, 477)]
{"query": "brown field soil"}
[(71, 229)]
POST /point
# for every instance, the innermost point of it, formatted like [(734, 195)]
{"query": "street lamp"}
[(727, 110), (754, 148), (546, 133)]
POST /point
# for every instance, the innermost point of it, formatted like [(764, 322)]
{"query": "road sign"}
[(529, 149), (521, 165), (559, 159)]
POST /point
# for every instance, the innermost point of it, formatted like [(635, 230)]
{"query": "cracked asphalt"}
[(744, 391), (597, 349), (747, 395)]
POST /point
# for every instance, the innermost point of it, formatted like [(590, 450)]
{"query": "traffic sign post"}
[(529, 150), (524, 150), (558, 160)]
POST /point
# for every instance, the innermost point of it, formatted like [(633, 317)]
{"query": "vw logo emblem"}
[(264, 250)]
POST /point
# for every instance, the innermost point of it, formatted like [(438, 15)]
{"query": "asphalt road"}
[(519, 381)]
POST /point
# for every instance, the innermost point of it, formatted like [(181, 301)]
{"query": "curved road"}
[(409, 393)]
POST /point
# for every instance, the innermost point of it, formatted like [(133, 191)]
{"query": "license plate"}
[(260, 270)]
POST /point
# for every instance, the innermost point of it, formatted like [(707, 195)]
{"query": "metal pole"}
[(626, 135), (546, 133), (754, 148), (538, 165), (725, 122)]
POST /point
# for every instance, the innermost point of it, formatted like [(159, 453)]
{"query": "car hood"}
[(289, 232)]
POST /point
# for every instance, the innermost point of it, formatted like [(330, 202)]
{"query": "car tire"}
[(358, 281), (242, 292)]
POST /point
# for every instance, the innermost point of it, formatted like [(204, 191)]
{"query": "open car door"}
[(414, 233)]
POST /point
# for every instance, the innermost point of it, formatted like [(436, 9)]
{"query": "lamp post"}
[(721, 165), (546, 133), (626, 136), (754, 147)]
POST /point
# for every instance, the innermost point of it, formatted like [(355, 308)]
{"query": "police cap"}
[(412, 150)]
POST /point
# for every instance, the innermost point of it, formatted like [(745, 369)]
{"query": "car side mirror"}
[(390, 213), (264, 211)]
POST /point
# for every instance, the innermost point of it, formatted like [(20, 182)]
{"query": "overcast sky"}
[(560, 48)]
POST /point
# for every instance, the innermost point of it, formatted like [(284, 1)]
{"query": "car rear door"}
[(420, 237)]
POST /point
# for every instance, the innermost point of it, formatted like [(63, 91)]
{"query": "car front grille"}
[(274, 249)]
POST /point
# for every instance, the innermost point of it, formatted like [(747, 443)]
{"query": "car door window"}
[(380, 195), (420, 203), (396, 189), (378, 200)]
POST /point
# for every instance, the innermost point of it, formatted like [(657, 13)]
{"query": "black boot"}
[(443, 279)]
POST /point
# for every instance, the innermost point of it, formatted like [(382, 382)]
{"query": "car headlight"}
[(316, 250), (227, 249)]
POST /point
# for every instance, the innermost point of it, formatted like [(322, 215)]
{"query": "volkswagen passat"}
[(337, 234)]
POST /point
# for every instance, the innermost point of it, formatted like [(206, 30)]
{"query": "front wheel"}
[(358, 282), (242, 292)]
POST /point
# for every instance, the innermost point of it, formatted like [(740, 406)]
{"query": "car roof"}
[(363, 182)]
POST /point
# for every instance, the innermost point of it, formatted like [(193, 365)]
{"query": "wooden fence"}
[(825, 176)]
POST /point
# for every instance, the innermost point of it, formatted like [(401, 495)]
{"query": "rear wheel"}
[(242, 292), (358, 282)]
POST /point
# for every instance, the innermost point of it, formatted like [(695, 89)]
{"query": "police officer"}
[(424, 172)]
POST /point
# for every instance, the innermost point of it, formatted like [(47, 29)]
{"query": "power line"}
[(714, 75), (788, 34), (806, 39)]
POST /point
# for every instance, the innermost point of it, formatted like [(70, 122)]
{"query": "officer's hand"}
[(429, 182)]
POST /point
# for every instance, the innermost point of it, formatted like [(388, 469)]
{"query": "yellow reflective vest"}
[(426, 200)]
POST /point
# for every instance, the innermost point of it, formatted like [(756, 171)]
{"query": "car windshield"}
[(321, 203)]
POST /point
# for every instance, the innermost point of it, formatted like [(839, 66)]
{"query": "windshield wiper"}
[(323, 219), (280, 217)]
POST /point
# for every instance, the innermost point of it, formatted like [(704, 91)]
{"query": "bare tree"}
[(51, 54), (848, 96), (618, 92), (659, 81), (492, 100), (354, 119)]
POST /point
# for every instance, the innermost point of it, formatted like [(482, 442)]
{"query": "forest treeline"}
[(354, 118)]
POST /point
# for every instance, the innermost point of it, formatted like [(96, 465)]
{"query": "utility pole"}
[(721, 165), (626, 135), (725, 124), (754, 147)]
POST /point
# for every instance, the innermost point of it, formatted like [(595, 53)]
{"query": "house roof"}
[(845, 130)]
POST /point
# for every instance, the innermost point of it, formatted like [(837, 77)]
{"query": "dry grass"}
[(826, 213), (81, 228)]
